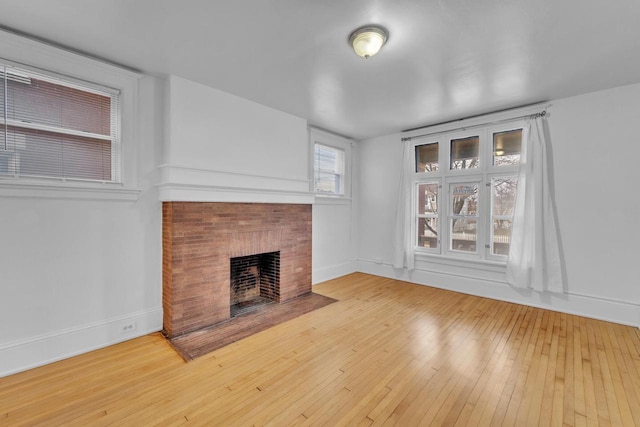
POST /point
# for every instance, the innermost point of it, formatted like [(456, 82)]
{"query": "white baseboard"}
[(622, 312), (36, 351), (331, 272)]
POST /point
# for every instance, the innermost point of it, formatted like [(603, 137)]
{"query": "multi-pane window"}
[(329, 170), (477, 187), (52, 127)]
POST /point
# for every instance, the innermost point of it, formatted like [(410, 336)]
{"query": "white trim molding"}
[(67, 190), (187, 184), (323, 274), (32, 352), (208, 193), (625, 313)]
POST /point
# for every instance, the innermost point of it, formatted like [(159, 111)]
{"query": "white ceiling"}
[(445, 59)]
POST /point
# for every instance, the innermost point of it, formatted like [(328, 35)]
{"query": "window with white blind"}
[(330, 166), (328, 170), (57, 128)]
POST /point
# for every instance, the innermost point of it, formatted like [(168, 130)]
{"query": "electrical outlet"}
[(127, 327)]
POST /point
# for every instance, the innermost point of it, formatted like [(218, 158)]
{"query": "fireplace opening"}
[(255, 281)]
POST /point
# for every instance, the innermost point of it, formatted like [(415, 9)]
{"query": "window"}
[(328, 170), (329, 167), (56, 127), (477, 187)]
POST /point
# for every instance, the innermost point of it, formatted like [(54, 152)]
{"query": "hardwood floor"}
[(387, 353)]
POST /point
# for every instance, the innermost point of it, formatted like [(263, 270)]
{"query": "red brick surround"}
[(198, 240)]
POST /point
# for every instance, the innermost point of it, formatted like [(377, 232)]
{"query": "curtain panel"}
[(534, 253), (404, 253)]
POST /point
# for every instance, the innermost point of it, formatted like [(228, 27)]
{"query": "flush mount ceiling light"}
[(367, 41)]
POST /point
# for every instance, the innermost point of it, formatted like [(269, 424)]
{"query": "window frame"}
[(417, 215), (46, 59), (426, 177), (483, 176), (327, 139), (337, 171), (88, 87)]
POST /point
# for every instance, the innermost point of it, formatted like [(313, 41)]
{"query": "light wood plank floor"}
[(388, 353)]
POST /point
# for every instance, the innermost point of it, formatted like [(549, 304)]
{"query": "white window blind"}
[(328, 170), (56, 128)]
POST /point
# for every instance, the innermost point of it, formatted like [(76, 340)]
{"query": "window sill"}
[(449, 261), (67, 190), (321, 199)]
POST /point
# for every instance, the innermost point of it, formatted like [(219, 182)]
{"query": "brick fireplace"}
[(199, 239)]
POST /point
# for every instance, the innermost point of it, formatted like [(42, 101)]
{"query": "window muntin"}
[(51, 127), (427, 157), (478, 176), (329, 170), (427, 224), (463, 220)]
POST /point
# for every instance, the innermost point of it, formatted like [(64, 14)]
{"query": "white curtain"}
[(534, 254), (403, 255)]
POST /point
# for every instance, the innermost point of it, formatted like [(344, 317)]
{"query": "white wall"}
[(334, 238), (224, 148), (76, 271), (596, 148), (333, 242), (594, 141)]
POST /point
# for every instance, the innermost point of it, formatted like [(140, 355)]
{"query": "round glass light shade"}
[(367, 41)]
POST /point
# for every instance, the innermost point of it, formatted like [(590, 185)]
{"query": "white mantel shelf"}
[(187, 184), (203, 193)]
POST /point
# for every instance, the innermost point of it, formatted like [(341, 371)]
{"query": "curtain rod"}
[(511, 119)]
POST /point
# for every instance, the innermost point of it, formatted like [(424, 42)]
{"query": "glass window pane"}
[(504, 195), (501, 236), (327, 182), (507, 147), (464, 199), (464, 234), (328, 164), (38, 101), (49, 154), (463, 222), (49, 127), (428, 232), (464, 152), (427, 157), (428, 198)]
